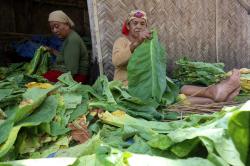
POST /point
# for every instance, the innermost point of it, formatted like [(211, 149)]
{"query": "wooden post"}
[(217, 31), (95, 33)]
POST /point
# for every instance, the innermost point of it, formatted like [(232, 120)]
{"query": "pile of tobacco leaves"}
[(108, 124)]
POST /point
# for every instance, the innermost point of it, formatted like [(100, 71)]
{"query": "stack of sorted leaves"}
[(198, 73)]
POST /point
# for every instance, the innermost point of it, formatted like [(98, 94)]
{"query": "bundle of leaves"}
[(39, 63), (198, 73)]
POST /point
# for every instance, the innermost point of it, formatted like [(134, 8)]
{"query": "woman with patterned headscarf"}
[(134, 33), (74, 55)]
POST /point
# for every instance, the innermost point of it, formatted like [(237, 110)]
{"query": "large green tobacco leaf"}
[(32, 99), (141, 124), (116, 137), (239, 129), (216, 138), (147, 70), (32, 67), (101, 86), (108, 156), (87, 148), (170, 93), (5, 129)]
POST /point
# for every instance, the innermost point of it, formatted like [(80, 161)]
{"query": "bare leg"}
[(224, 89), (196, 91), (199, 100), (219, 92)]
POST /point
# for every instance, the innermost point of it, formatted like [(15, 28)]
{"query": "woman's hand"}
[(52, 51), (142, 36)]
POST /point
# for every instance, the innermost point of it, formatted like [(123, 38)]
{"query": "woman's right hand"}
[(142, 36)]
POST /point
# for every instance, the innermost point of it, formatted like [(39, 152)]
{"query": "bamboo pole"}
[(217, 32), (95, 35)]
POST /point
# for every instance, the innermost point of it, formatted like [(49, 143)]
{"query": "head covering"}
[(136, 14), (132, 15), (60, 16)]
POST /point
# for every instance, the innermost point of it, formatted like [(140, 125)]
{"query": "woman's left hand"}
[(142, 36)]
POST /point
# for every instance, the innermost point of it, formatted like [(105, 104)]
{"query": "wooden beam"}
[(77, 4), (20, 34)]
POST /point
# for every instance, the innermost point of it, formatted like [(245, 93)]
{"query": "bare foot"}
[(224, 89), (234, 94)]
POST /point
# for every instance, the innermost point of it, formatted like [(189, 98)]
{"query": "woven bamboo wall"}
[(207, 30), (234, 34)]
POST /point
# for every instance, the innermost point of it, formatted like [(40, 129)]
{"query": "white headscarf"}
[(60, 16)]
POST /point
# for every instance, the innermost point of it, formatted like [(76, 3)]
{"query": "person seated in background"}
[(73, 56), (134, 32)]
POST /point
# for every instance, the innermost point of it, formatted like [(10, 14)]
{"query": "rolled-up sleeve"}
[(121, 52)]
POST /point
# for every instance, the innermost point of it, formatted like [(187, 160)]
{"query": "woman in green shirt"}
[(74, 56)]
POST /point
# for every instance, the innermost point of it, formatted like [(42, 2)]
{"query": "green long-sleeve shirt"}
[(73, 57)]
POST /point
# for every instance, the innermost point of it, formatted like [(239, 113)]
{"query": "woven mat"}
[(200, 109)]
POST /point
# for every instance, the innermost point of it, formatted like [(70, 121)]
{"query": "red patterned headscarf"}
[(133, 14)]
